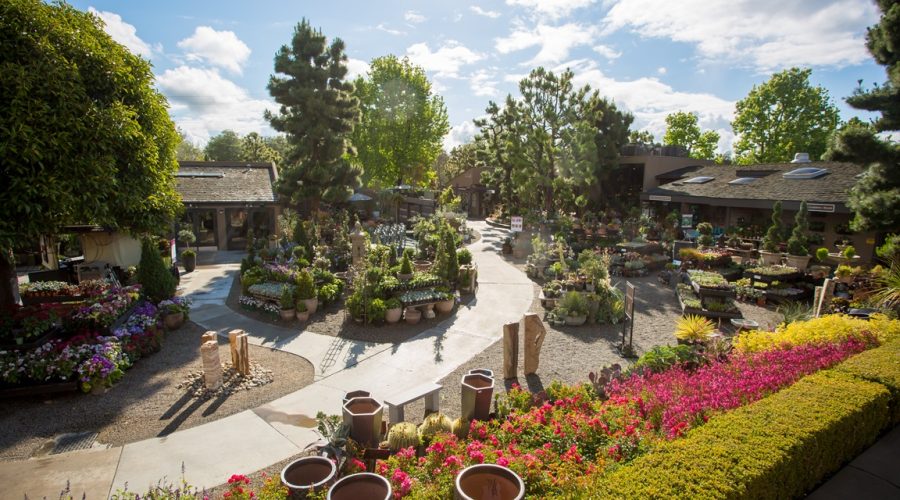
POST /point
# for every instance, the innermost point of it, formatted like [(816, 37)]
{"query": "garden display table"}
[(395, 403)]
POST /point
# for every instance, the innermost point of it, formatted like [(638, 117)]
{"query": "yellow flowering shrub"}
[(833, 328)]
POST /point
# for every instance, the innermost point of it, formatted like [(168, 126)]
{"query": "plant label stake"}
[(627, 347)]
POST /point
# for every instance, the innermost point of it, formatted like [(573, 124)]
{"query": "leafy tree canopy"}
[(254, 147), (682, 129), (187, 150), (402, 124), (226, 146), (84, 136), (460, 159), (875, 199), (317, 114), (781, 117), (643, 137)]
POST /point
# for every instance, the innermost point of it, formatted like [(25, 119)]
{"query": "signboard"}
[(172, 250), (654, 197), (515, 223), (687, 220), (820, 207)]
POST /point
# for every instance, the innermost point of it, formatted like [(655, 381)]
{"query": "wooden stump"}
[(534, 339), (212, 367), (510, 350)]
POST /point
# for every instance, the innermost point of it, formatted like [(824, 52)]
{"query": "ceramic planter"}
[(769, 258), (799, 261), (190, 262), (365, 415), (576, 320), (488, 481), (308, 474), (173, 321), (303, 316), (404, 277), (393, 315), (477, 391), (422, 265), (363, 485), (287, 314), (311, 305), (444, 306), (412, 315)]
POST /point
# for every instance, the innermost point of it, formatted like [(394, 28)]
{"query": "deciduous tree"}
[(875, 199), (683, 129), (226, 146), (187, 150), (317, 114), (783, 116), (253, 147)]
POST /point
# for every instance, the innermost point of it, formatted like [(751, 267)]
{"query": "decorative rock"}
[(208, 336), (510, 350), (240, 351), (534, 339), (212, 369)]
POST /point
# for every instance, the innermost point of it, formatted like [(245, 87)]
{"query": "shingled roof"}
[(768, 187), (226, 182)]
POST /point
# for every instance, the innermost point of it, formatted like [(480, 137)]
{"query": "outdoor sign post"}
[(515, 223), (627, 347)]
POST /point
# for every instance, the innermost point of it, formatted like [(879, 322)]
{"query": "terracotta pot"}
[(308, 474), (445, 306), (303, 316), (311, 305), (761, 301), (287, 314), (488, 481), (422, 265), (393, 315), (173, 321), (412, 315), (363, 485), (575, 320)]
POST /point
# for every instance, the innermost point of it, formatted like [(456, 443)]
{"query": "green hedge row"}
[(778, 447)]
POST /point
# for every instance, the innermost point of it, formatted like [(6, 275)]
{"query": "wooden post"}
[(212, 367), (534, 339), (510, 349), (233, 343)]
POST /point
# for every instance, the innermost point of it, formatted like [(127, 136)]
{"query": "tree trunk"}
[(8, 283)]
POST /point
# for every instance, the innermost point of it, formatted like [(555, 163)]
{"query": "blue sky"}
[(653, 57)]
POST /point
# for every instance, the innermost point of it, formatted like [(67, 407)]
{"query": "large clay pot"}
[(575, 320), (190, 262), (361, 486), (365, 415), (287, 314), (412, 315), (444, 306), (173, 321), (303, 317), (311, 305), (801, 262), (308, 474), (769, 258), (488, 481), (393, 315), (422, 265)]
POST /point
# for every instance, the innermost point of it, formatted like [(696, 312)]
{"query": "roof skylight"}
[(703, 179), (200, 174), (805, 173), (742, 180)]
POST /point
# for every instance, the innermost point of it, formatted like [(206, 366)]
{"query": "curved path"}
[(254, 439)]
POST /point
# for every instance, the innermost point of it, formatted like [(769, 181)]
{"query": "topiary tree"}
[(306, 288), (773, 235), (797, 243), (157, 281), (705, 229)]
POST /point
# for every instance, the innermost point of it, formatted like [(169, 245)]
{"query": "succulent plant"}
[(403, 435), (606, 375), (434, 424)]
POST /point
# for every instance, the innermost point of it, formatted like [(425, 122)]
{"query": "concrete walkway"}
[(254, 439)]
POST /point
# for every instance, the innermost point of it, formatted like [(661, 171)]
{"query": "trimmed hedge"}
[(880, 365), (778, 447)]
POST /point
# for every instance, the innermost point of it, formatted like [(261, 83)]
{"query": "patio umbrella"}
[(359, 197)]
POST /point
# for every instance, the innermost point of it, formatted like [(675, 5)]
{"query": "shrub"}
[(796, 244), (705, 229), (822, 254), (306, 289), (329, 293), (849, 252), (464, 256), (663, 357), (573, 304), (831, 328), (778, 447), (406, 263), (890, 250), (157, 281), (393, 303), (694, 328), (299, 253), (879, 365), (376, 311), (287, 298), (774, 234)]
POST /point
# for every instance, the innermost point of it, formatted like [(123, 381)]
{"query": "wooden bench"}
[(395, 403)]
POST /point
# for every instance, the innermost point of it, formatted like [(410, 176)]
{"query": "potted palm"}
[(798, 253), (769, 254), (287, 303), (306, 291)]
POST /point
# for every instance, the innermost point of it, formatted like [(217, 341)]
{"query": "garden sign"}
[(515, 223)]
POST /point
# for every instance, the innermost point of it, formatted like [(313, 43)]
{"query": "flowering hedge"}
[(833, 328)]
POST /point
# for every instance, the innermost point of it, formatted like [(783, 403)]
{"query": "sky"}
[(213, 59)]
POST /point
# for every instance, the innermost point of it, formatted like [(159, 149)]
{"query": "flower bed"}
[(268, 290), (107, 307), (255, 304)]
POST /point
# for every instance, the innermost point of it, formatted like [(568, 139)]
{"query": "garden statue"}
[(358, 244)]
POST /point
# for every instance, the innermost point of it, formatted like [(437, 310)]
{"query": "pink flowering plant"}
[(108, 306)]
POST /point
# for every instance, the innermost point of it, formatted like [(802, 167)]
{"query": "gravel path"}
[(146, 402)]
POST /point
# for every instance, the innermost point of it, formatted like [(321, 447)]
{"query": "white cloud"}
[(662, 70), (390, 31), (493, 14), (218, 48), (555, 41), (204, 103), (607, 52), (554, 9), (445, 61), (356, 67), (124, 33), (414, 17), (483, 84), (460, 134), (651, 100), (765, 34)]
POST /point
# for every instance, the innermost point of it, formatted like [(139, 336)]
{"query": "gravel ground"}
[(146, 402), (333, 321)]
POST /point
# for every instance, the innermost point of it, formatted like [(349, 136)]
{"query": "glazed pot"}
[(365, 415), (308, 474), (488, 481), (393, 315), (361, 486), (190, 262)]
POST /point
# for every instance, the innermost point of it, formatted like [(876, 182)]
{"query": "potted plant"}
[(473, 481), (306, 290), (394, 311), (188, 256), (175, 312), (507, 246), (446, 304), (693, 329), (844, 274), (798, 253), (574, 308), (301, 311), (848, 252), (406, 267), (412, 315), (308, 474), (287, 303), (769, 253), (706, 239), (376, 310)]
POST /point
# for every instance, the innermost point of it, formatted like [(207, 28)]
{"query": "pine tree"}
[(157, 282), (318, 112), (875, 200)]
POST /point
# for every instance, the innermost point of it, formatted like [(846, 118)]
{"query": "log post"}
[(534, 339), (510, 350)]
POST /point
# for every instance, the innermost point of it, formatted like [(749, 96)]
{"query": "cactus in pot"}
[(434, 424), (403, 435)]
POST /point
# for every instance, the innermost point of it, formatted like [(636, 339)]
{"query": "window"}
[(742, 180), (703, 179), (805, 173)]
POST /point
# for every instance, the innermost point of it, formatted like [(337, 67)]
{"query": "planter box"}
[(713, 292)]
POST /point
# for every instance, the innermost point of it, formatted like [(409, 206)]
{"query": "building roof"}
[(768, 186), (226, 182)]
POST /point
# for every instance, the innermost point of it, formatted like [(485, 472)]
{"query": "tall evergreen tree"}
[(318, 112), (875, 199)]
